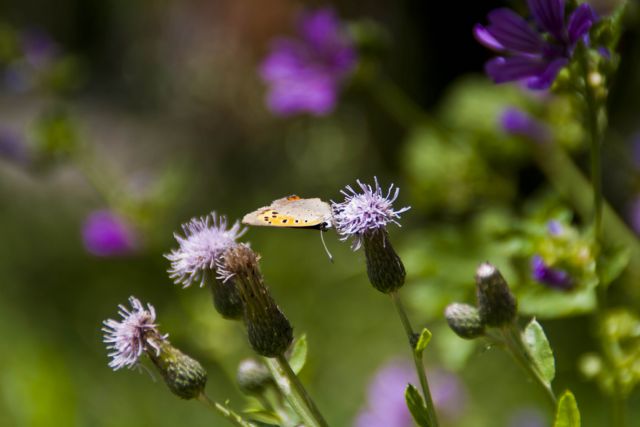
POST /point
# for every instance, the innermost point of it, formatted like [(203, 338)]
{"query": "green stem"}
[(225, 412), (512, 339), (290, 385), (411, 335)]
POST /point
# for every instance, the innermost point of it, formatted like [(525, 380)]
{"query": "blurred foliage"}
[(156, 112)]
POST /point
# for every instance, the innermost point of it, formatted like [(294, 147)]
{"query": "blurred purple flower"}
[(38, 47), (555, 227), (527, 417), (634, 215), (107, 234), (135, 333), (364, 212), (386, 405), (305, 74), (534, 53), (519, 123), (553, 277), (13, 147)]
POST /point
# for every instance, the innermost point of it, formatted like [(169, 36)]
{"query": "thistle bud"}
[(496, 303), (185, 376), (226, 299), (269, 331), (253, 377), (384, 266), (464, 320)]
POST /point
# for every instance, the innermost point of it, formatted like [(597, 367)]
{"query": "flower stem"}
[(512, 339), (227, 413), (411, 335), (290, 385)]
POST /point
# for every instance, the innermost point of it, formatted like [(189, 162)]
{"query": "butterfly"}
[(293, 212)]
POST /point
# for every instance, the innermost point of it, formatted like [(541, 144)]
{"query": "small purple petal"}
[(545, 79), (580, 22), (485, 38), (549, 15), (502, 69), (555, 227), (106, 234), (552, 277), (38, 47), (513, 32), (518, 123), (315, 94), (320, 28)]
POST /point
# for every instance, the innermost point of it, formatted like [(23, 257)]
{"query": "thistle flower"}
[(534, 53), (366, 212), (205, 240), (268, 329), (364, 217), (305, 74), (552, 277), (519, 123), (496, 303), (136, 333), (105, 233)]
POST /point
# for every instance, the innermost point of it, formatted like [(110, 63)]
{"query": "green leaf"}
[(613, 265), (299, 354), (423, 341), (540, 351), (416, 406), (263, 416), (567, 414)]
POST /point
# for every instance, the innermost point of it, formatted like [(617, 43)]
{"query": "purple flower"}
[(38, 47), (518, 123), (366, 211), (527, 417), (107, 234), (555, 227), (135, 333), (552, 277), (386, 405), (12, 147), (206, 239), (305, 74), (534, 53)]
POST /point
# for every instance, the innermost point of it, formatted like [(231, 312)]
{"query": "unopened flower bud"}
[(226, 298), (269, 331), (384, 266), (253, 377), (464, 320), (496, 303), (185, 376)]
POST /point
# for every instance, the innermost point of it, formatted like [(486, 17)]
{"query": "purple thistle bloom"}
[(553, 277), (386, 405), (519, 123), (107, 234), (206, 239), (135, 333), (534, 54), (305, 74), (366, 211)]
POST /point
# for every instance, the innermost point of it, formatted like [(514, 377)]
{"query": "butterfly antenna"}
[(325, 246)]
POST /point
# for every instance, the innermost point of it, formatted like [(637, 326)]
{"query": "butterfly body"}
[(292, 212)]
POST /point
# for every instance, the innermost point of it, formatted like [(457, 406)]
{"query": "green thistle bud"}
[(226, 299), (185, 376), (253, 377), (496, 303), (269, 331), (464, 320), (384, 266)]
